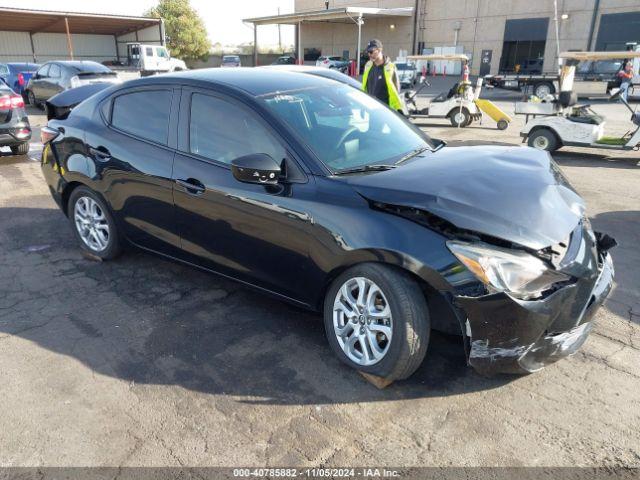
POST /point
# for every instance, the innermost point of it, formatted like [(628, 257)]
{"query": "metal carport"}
[(356, 15), (69, 23)]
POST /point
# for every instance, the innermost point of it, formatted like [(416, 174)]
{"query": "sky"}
[(223, 18)]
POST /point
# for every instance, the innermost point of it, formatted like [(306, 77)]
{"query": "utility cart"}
[(552, 125)]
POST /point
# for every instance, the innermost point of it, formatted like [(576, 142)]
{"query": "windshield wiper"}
[(412, 154), (366, 168)]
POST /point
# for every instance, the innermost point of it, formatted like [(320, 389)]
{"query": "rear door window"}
[(144, 114), (54, 71)]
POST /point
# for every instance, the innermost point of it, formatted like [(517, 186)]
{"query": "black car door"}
[(133, 151), (38, 83), (255, 233)]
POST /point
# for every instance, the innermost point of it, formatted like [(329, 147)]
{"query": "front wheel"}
[(460, 117), (93, 224), (377, 321)]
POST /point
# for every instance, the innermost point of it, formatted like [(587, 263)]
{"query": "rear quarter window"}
[(144, 114)]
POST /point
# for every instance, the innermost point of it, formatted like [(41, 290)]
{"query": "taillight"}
[(9, 102), (48, 134), (20, 79)]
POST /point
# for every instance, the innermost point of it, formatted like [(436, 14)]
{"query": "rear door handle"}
[(100, 153), (191, 185)]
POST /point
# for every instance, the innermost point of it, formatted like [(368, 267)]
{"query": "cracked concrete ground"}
[(143, 362)]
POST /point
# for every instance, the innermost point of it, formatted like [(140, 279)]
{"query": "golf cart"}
[(460, 104), (560, 122)]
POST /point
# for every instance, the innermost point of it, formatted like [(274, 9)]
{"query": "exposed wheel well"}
[(66, 194), (442, 314), (547, 128)]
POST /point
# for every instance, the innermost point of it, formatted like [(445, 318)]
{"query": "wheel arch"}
[(549, 128), (444, 316)]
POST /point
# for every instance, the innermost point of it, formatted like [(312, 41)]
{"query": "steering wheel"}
[(343, 138)]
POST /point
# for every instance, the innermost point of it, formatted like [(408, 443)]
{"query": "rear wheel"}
[(544, 139), (377, 321), (460, 117), (21, 149), (93, 224), (543, 89)]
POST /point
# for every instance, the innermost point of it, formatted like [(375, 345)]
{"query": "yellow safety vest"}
[(395, 102)]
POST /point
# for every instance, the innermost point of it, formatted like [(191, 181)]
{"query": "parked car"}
[(333, 62), (307, 189), (230, 61), (285, 60), (54, 77), (407, 74), (17, 75), (15, 131), (321, 72)]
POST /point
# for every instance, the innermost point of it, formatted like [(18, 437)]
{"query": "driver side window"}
[(222, 131)]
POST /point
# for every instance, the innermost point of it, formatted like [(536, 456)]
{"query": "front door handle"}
[(100, 153), (191, 185)]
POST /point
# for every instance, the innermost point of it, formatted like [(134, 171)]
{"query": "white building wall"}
[(15, 47)]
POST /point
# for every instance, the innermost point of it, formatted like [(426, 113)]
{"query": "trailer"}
[(595, 76)]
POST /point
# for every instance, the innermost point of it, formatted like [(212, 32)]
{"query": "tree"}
[(187, 35)]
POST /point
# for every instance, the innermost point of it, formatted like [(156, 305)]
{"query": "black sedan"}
[(312, 191), (15, 131)]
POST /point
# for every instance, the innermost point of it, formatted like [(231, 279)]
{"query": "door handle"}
[(191, 185), (100, 153)]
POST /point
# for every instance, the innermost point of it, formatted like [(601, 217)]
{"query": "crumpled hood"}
[(514, 193)]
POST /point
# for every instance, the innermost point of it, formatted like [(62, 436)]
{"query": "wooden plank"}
[(620, 55)]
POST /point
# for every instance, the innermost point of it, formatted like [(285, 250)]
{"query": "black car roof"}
[(256, 81)]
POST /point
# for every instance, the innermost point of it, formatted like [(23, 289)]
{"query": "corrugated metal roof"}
[(36, 21)]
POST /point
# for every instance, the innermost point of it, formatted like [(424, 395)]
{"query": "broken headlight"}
[(502, 270)]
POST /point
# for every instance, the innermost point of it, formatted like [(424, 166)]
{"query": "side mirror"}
[(257, 168)]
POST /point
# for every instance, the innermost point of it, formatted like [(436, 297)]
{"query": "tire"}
[(544, 139), (408, 322), (32, 99), (459, 118), (543, 89), (21, 149), (112, 246), (502, 124)]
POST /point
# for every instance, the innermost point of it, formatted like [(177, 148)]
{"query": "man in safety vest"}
[(380, 78)]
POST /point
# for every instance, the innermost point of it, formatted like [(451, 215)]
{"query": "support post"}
[(33, 50), (115, 40), (255, 45), (359, 44), (300, 52), (161, 29), (69, 42)]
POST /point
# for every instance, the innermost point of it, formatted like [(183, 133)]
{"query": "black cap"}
[(373, 44)]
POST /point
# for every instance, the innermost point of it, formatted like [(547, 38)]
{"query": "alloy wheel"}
[(91, 224), (362, 321)]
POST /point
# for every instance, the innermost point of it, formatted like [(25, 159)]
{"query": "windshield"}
[(404, 66), (230, 59), (347, 128), (88, 67)]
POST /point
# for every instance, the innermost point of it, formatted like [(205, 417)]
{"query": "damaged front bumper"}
[(508, 335)]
